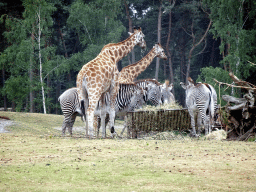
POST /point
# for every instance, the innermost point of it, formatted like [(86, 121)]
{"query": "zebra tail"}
[(82, 108), (211, 110)]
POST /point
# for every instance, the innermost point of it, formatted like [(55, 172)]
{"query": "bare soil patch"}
[(4, 123)]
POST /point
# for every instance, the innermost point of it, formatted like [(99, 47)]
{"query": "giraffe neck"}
[(135, 69), (119, 50)]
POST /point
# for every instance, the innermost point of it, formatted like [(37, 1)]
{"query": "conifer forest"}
[(44, 44)]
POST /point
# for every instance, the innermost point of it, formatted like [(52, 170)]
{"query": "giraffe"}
[(101, 75), (130, 72)]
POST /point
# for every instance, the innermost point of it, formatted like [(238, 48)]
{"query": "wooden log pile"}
[(240, 112)]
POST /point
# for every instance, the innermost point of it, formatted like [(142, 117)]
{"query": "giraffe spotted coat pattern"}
[(130, 72), (101, 75)]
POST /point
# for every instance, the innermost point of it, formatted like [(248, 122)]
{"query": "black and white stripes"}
[(70, 107), (202, 98)]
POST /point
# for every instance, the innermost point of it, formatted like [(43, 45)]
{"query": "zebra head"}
[(167, 96), (154, 94), (137, 99), (188, 86)]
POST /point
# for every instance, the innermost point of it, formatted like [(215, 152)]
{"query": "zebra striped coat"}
[(70, 107), (201, 100), (153, 88), (129, 98)]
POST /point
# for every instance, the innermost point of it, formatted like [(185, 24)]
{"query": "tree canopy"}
[(73, 32)]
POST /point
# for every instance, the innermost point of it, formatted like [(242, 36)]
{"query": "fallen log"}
[(4, 117), (232, 99), (246, 135), (240, 112)]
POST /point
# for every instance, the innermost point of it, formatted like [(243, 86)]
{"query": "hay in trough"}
[(172, 105)]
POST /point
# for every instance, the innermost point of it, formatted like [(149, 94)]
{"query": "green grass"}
[(34, 157)]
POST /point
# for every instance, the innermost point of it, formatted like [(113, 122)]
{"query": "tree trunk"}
[(194, 46), (13, 106), (62, 39), (130, 30), (4, 97), (182, 53), (169, 54), (57, 96), (31, 93), (40, 60), (49, 92), (158, 38)]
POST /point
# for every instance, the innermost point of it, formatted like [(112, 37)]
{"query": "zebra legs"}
[(192, 116), (201, 118), (68, 122)]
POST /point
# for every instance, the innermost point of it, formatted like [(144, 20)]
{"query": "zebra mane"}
[(150, 80), (131, 83), (198, 83), (191, 80)]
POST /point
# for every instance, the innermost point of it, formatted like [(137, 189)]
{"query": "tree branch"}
[(86, 30), (221, 83)]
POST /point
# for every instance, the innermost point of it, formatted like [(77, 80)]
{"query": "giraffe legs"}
[(89, 120)]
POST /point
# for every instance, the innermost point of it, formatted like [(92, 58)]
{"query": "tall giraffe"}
[(101, 75), (130, 72)]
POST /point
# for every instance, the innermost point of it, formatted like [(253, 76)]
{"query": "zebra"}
[(201, 100), (70, 107), (128, 103), (129, 97), (167, 96), (153, 88)]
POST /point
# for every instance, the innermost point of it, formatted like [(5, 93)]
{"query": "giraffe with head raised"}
[(101, 75), (130, 72)]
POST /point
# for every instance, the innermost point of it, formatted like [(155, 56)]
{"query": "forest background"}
[(44, 44)]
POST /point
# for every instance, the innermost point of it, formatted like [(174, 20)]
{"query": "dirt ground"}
[(3, 124)]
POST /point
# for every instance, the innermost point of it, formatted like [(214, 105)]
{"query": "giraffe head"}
[(138, 37), (159, 50)]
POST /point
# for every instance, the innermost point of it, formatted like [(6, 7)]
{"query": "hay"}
[(172, 105), (217, 135)]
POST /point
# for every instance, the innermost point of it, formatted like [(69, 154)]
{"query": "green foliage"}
[(16, 88), (74, 32), (209, 73), (233, 22), (93, 21)]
